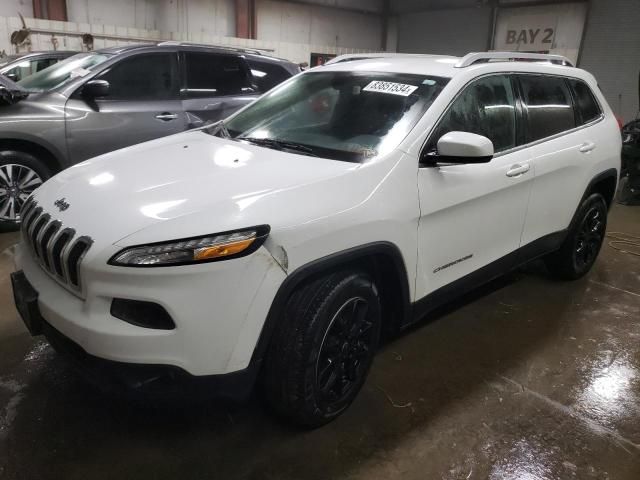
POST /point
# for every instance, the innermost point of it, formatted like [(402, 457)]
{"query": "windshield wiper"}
[(280, 145)]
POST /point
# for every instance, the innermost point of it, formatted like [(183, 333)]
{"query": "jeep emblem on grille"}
[(61, 204)]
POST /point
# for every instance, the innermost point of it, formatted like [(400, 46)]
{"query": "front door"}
[(472, 215), (143, 104)]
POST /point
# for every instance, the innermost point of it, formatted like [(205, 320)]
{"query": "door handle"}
[(587, 147), (166, 116), (517, 170)]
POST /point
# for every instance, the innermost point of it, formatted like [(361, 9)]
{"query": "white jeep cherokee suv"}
[(348, 201)]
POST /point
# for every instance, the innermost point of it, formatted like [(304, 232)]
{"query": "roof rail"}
[(348, 57), (484, 57), (170, 43)]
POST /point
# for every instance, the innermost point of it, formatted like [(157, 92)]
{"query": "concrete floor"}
[(528, 378)]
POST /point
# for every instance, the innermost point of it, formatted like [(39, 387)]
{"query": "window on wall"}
[(548, 104), (50, 9), (213, 74), (144, 77), (586, 105), (486, 107)]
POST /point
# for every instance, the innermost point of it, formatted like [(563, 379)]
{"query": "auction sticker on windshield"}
[(393, 88)]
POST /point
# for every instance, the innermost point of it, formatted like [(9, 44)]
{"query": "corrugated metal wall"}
[(611, 51), (449, 32)]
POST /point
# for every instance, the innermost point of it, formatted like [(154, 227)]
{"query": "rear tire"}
[(322, 350), (20, 174), (580, 248)]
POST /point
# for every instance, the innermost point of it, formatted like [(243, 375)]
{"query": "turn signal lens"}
[(193, 250), (223, 250)]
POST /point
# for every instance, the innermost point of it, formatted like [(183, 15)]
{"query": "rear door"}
[(214, 86), (143, 104), (564, 137)]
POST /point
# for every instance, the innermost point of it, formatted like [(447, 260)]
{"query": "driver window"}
[(486, 107)]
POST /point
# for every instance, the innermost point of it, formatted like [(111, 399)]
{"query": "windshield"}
[(73, 67), (350, 116)]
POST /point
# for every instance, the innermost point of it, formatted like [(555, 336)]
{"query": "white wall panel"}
[(564, 24), (11, 8)]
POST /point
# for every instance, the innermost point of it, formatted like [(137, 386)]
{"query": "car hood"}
[(192, 184)]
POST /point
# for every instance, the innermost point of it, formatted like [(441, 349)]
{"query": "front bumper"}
[(219, 311), (149, 381)]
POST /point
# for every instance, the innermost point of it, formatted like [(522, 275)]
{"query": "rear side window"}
[(586, 105), (485, 107), (210, 75), (151, 76), (549, 107), (267, 75)]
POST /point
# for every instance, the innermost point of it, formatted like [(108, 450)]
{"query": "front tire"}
[(20, 174), (323, 348), (580, 248)]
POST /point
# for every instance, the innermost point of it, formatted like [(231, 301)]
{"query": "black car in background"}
[(630, 175)]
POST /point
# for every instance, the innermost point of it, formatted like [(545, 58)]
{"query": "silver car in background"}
[(99, 101), (21, 65)]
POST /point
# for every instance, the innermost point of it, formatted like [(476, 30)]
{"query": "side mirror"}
[(95, 89), (12, 76), (463, 147)]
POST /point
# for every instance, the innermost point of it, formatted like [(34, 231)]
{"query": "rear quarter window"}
[(548, 106), (267, 75), (587, 107)]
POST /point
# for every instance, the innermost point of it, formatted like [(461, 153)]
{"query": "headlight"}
[(209, 248)]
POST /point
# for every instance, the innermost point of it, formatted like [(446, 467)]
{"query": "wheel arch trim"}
[(20, 139), (324, 264)]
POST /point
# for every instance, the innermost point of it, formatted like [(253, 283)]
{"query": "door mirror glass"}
[(95, 89), (464, 147), (12, 76)]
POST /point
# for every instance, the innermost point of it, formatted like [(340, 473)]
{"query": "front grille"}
[(57, 248)]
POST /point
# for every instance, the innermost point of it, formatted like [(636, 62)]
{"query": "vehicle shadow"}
[(67, 429)]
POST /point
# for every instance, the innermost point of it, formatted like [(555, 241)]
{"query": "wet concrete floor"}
[(528, 378)]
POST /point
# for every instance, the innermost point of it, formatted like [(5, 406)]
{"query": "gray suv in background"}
[(99, 101)]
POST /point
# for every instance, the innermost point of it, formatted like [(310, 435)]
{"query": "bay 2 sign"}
[(535, 39), (528, 32)]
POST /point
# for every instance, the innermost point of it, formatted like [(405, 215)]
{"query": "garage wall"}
[(611, 51), (290, 30), (14, 7), (301, 23), (451, 32)]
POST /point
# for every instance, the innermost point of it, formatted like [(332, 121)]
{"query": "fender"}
[(55, 153), (609, 173), (331, 262)]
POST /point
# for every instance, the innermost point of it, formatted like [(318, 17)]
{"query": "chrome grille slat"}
[(48, 233), (56, 248), (36, 215), (73, 260), (38, 228), (61, 242)]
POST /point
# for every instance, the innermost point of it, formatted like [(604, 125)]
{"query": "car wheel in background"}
[(20, 174)]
